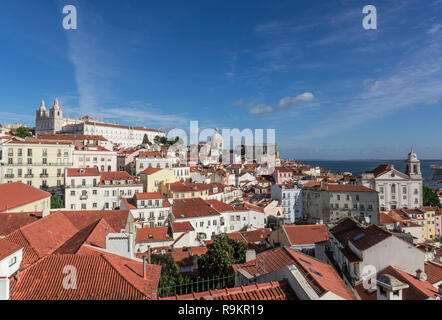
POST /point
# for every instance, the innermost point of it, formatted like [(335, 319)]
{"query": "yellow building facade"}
[(154, 180), (35, 163)]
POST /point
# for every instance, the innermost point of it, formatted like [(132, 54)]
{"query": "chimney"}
[(45, 213), (420, 275), (250, 255), (148, 252), (4, 288), (144, 267)]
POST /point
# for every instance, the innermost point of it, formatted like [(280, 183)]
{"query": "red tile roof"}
[(306, 234), (17, 194), (382, 169), (384, 218), (182, 186), (191, 208), (101, 276), (433, 271), (42, 142), (72, 137), (94, 234), (253, 236), (362, 238), (345, 188), (42, 237), (150, 154), (116, 175), (220, 206), (9, 222), (7, 248), (148, 195), (153, 234), (82, 172), (283, 169), (417, 290), (151, 170), (181, 226), (264, 291), (321, 276), (117, 219)]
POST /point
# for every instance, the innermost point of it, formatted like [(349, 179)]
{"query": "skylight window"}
[(316, 272), (308, 262), (359, 236)]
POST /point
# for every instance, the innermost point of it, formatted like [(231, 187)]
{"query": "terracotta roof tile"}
[(7, 248), (264, 291), (99, 277), (181, 226), (433, 271), (10, 222), (153, 234), (306, 234), (82, 172), (16, 194), (321, 276)]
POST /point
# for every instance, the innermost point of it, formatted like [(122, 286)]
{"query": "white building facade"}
[(397, 190)]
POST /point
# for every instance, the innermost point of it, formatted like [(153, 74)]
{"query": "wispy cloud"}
[(415, 81), (290, 102), (435, 28), (99, 69), (261, 109)]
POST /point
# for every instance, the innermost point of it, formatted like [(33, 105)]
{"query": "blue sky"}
[(331, 89)]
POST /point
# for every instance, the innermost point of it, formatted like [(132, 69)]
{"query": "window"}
[(12, 261)]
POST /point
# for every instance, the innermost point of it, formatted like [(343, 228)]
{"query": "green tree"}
[(171, 281), (146, 139), (430, 198), (22, 132), (220, 255), (57, 201), (168, 265)]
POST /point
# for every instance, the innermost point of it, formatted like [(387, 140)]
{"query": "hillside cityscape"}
[(230, 152)]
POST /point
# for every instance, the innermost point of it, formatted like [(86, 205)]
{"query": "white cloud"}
[(290, 102), (434, 28), (237, 103), (261, 109), (432, 101)]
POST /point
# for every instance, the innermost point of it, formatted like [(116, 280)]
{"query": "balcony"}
[(151, 219), (44, 175), (83, 197), (9, 175), (29, 176)]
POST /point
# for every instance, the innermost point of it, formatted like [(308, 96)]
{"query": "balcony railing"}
[(9, 176), (29, 176), (44, 175), (50, 164), (83, 197)]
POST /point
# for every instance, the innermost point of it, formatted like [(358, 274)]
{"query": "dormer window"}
[(12, 261)]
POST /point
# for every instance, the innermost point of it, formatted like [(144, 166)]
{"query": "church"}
[(397, 190), (53, 122)]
